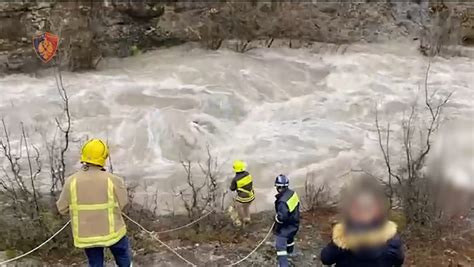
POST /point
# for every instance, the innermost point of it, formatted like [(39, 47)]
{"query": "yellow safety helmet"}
[(94, 152), (239, 166)]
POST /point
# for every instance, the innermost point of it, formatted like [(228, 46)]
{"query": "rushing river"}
[(282, 110)]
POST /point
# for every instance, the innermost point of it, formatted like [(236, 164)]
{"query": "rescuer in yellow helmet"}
[(94, 200), (243, 184)]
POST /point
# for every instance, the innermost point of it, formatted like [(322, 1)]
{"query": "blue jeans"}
[(120, 250), (284, 246)]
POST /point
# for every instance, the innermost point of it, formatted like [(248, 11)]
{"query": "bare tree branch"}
[(198, 196), (435, 112), (414, 191), (111, 166), (30, 166), (57, 151), (385, 150), (315, 196), (15, 167)]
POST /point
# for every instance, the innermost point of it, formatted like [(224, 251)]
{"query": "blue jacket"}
[(287, 218), (342, 251)]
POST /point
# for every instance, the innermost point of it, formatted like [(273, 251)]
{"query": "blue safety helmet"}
[(282, 181)]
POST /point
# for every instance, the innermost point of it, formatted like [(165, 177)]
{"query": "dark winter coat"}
[(287, 218), (381, 248)]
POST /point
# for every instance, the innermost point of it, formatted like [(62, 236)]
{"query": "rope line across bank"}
[(38, 247), (153, 235)]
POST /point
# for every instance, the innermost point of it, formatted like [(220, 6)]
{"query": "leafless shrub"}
[(242, 46), (240, 25), (18, 182), (408, 184), (143, 210), (199, 196), (191, 200), (223, 204), (27, 217), (243, 24), (152, 203), (131, 191), (314, 196), (211, 36), (60, 144)]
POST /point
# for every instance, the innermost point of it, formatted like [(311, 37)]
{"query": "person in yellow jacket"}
[(94, 200), (243, 184)]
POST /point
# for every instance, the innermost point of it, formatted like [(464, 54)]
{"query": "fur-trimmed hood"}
[(377, 237)]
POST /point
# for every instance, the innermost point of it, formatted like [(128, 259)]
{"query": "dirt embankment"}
[(91, 30), (214, 242)]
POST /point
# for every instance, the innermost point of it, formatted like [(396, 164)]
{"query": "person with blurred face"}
[(365, 237)]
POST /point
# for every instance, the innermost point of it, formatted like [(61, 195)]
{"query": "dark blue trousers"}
[(284, 247), (120, 250)]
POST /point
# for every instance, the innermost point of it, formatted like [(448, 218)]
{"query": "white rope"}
[(36, 248), (186, 225), (152, 234), (255, 249)]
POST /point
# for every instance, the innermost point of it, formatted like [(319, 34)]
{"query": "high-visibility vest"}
[(244, 185), (75, 209), (293, 202)]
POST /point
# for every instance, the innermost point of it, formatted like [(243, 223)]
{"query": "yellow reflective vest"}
[(94, 199), (243, 184)]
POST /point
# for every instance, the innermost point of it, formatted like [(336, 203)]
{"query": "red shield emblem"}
[(46, 45)]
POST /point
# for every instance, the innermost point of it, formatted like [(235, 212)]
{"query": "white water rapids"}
[(281, 110)]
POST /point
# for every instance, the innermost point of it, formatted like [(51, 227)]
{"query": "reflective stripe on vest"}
[(293, 202), (246, 199), (244, 181), (106, 240), (240, 184)]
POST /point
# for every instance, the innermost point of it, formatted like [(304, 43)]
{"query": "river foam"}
[(282, 110)]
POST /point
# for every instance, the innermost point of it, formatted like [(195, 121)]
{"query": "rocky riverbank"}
[(95, 29)]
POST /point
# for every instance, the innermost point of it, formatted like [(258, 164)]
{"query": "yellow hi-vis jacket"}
[(243, 184), (94, 199)]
